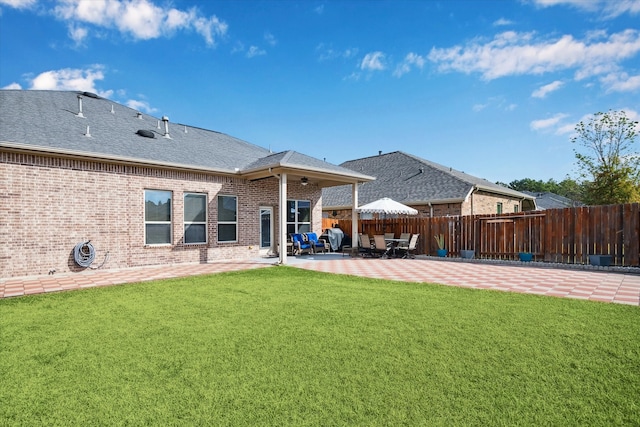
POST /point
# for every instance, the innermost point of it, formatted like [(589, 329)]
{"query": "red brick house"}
[(77, 168)]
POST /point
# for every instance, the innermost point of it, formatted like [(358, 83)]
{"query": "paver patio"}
[(594, 285)]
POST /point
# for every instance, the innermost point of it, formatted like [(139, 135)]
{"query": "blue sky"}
[(491, 88)]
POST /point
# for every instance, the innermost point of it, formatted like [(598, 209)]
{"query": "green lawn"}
[(282, 346)]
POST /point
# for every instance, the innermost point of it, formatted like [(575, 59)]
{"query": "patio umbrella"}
[(387, 206)]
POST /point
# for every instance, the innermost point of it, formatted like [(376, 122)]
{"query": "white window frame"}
[(186, 223), (219, 223), (150, 222), (295, 222)]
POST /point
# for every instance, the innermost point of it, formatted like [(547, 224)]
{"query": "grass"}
[(281, 346)]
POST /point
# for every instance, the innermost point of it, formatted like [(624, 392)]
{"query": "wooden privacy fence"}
[(566, 236)]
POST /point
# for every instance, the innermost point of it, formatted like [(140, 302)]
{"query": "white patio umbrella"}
[(387, 206)]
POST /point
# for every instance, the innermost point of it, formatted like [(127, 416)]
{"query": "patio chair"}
[(364, 245), (317, 245), (389, 235), (409, 252), (381, 248), (300, 246), (404, 244)]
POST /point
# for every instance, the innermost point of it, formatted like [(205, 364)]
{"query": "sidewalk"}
[(594, 285)]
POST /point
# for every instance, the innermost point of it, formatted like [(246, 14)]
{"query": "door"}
[(266, 228)]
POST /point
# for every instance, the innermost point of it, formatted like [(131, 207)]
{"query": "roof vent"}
[(90, 95), (80, 107), (165, 120), (146, 133), (88, 134), (185, 129), (112, 110), (139, 115)]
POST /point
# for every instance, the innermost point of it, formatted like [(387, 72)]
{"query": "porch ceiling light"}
[(304, 180)]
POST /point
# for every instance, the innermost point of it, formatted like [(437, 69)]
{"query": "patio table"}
[(394, 244)]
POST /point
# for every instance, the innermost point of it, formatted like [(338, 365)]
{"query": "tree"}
[(610, 166), (567, 187)]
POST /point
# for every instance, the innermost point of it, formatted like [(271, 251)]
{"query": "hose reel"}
[(84, 253)]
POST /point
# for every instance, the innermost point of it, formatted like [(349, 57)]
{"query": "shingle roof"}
[(410, 180), (48, 120), (552, 201)]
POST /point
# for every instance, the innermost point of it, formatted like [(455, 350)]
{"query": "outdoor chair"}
[(404, 244), (300, 246), (409, 251), (389, 235), (364, 245), (381, 248), (317, 245)]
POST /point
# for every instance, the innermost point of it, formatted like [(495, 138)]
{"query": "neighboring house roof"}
[(552, 201), (410, 180), (48, 121)]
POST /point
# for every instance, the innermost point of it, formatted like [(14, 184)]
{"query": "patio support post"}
[(354, 216), (282, 219)]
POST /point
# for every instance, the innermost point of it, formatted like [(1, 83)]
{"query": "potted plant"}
[(600, 260), (442, 252), (525, 256), (467, 253)]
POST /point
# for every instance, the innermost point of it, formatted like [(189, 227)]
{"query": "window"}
[(298, 216), (195, 218), (157, 217), (227, 218), (516, 208), (499, 207)]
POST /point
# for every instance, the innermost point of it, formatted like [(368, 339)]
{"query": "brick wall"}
[(48, 205)]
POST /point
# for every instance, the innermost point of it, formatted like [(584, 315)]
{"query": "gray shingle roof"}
[(410, 180), (48, 120), (552, 201)]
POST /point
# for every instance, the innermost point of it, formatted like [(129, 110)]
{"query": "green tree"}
[(607, 162)]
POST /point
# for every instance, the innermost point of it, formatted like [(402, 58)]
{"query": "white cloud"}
[(327, 52), (18, 4), (621, 82), (546, 89), (373, 61), (71, 79), (141, 106), (319, 10), (512, 53), (502, 22), (479, 107), (270, 39), (544, 124), (606, 9), (255, 51), (13, 86), (141, 19), (77, 34), (411, 60)]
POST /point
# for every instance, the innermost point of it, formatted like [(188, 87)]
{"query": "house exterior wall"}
[(49, 204), (481, 203)]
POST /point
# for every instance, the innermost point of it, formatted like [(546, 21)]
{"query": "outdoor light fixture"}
[(304, 180)]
